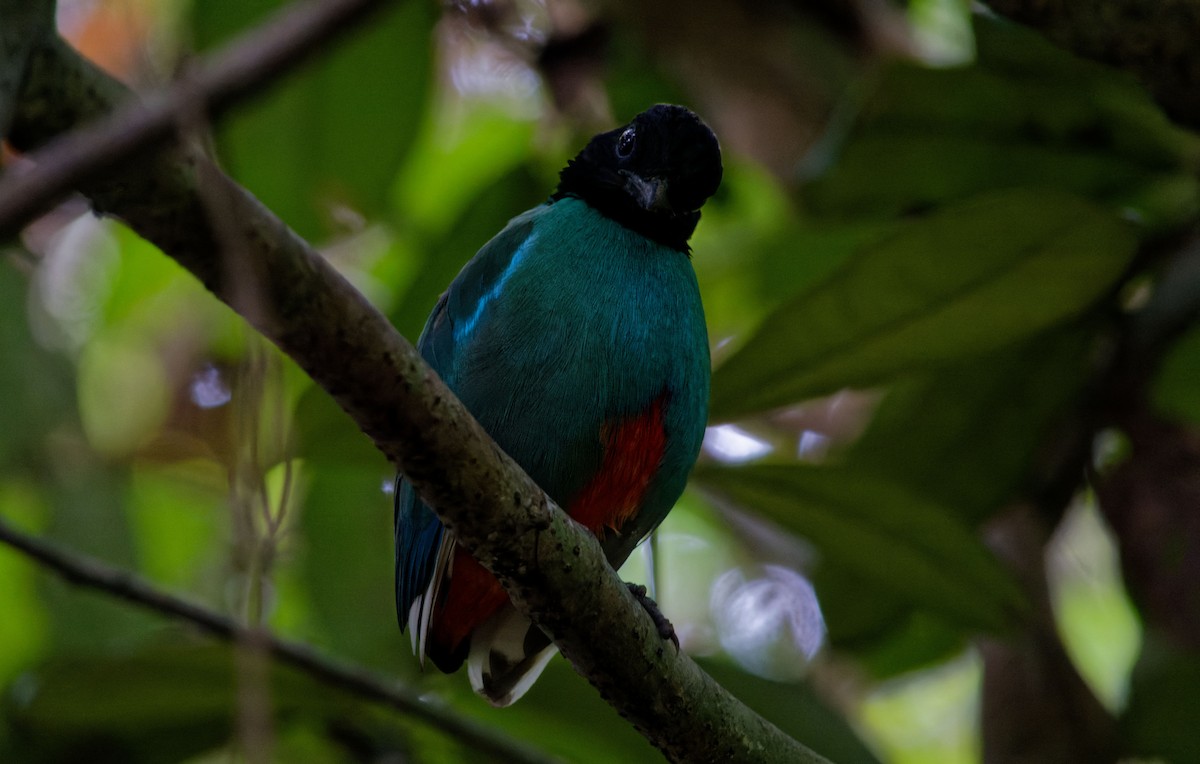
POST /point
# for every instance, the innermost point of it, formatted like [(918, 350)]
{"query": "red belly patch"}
[(633, 452), (472, 596)]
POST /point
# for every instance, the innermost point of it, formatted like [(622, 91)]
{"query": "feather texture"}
[(579, 344)]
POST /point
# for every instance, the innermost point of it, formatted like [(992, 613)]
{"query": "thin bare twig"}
[(92, 574), (223, 78)]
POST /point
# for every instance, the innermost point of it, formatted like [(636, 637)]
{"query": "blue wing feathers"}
[(418, 535), (418, 530), (595, 322)]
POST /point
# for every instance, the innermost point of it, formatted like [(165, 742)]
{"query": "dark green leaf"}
[(1176, 392), (1024, 114), (163, 704), (916, 641), (328, 436), (347, 562), (1160, 720), (970, 278), (88, 498), (893, 170), (36, 386), (889, 636), (752, 252), (965, 434), (335, 132), (176, 700), (797, 710), (897, 541)]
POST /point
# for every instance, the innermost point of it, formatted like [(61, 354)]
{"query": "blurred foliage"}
[(308, 148), (1163, 701), (1175, 391), (1026, 260), (957, 242), (890, 540)]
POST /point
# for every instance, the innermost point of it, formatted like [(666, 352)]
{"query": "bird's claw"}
[(665, 629)]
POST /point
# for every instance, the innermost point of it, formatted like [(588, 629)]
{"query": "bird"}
[(576, 337)]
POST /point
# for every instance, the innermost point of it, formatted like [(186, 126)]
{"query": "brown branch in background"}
[(89, 573), (1036, 707), (238, 71), (552, 567)]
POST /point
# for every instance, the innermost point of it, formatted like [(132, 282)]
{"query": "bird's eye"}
[(625, 143)]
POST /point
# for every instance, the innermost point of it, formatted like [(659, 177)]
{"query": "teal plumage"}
[(576, 337)]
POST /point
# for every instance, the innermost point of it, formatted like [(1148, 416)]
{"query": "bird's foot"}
[(665, 629)]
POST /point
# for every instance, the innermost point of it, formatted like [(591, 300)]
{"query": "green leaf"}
[(895, 169), (334, 132), (746, 247), (1175, 392), (177, 699), (158, 705), (896, 541), (970, 278), (1001, 403), (88, 499), (1160, 720), (1137, 125), (23, 629), (36, 386), (462, 149), (797, 710), (177, 526), (325, 434), (915, 641), (1024, 114), (887, 635), (347, 563)]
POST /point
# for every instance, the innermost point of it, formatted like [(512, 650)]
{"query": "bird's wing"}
[(423, 545)]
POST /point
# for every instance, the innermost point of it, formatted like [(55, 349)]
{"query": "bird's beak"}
[(650, 193)]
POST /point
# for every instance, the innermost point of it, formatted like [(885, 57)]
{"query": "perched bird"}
[(576, 337)]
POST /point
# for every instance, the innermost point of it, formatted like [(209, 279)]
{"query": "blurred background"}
[(936, 519)]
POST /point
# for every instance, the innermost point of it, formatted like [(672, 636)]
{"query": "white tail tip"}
[(508, 654)]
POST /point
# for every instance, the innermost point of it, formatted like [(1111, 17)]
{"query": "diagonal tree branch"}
[(240, 70), (553, 569), (124, 585)]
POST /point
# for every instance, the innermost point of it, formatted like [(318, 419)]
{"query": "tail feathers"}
[(508, 654), (420, 613)]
